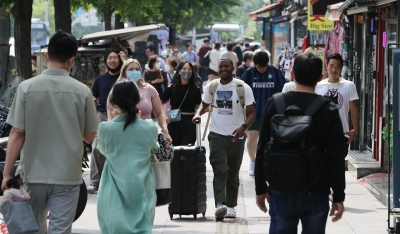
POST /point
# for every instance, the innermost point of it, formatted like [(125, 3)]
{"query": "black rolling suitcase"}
[(188, 180)]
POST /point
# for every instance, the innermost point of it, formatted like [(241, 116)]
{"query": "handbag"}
[(19, 217), (162, 174), (175, 114), (166, 150)]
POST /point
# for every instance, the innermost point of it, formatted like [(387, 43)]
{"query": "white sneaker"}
[(220, 212), (231, 213), (251, 170), (92, 188)]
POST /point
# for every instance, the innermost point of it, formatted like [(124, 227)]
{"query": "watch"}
[(245, 126)]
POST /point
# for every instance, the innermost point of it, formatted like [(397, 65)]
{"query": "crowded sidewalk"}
[(364, 214)]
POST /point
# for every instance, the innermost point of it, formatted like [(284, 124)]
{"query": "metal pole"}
[(364, 74)]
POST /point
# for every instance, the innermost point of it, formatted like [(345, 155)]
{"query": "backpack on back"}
[(292, 161)]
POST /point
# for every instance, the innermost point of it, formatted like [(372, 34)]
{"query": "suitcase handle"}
[(198, 134)]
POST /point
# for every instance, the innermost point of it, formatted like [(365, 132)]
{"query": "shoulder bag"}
[(175, 114)]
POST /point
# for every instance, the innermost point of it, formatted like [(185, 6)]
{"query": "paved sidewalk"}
[(364, 214)]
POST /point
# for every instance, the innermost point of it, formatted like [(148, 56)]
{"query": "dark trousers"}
[(183, 132), (287, 209)]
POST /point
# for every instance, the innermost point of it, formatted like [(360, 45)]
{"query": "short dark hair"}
[(217, 45), (261, 59), (62, 47), (247, 45), (335, 56), (151, 48), (241, 43), (33, 57), (307, 69), (173, 62), (188, 44), (248, 55), (206, 40), (126, 95), (152, 61), (225, 59), (230, 46)]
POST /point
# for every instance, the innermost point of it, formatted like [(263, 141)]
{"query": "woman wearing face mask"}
[(183, 93), (176, 54), (155, 75), (150, 102)]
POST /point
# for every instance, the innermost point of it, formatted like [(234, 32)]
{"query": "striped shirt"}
[(264, 85)]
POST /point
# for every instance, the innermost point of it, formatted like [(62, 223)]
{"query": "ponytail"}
[(131, 115)]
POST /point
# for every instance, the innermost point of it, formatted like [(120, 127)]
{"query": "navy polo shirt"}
[(102, 87)]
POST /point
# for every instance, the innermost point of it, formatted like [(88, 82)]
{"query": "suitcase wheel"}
[(180, 216), (195, 216), (204, 214), (171, 216)]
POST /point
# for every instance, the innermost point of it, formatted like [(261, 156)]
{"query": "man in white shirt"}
[(227, 136), (214, 58), (343, 93), (230, 55), (263, 48)]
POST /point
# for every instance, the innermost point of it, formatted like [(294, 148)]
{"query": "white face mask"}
[(252, 64), (158, 65), (167, 67)]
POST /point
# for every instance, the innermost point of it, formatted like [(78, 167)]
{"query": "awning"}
[(360, 8), (131, 35), (332, 11), (253, 15), (226, 27), (383, 2), (346, 4)]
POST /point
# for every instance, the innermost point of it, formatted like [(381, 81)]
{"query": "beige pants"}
[(97, 160)]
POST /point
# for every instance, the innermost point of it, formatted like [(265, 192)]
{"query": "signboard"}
[(316, 19), (319, 53), (396, 127)]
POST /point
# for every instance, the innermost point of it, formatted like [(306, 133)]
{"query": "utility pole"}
[(4, 44)]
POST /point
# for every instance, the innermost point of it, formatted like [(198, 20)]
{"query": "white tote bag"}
[(162, 174)]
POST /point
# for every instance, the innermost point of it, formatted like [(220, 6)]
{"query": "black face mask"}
[(118, 69)]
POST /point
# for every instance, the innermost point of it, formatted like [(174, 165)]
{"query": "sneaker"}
[(251, 170), (92, 188), (220, 212), (231, 213)]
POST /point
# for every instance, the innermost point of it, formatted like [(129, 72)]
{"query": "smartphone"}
[(15, 182)]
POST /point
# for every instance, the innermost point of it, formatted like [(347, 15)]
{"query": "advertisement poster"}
[(316, 13), (280, 39)]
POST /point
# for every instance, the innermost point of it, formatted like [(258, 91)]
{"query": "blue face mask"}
[(134, 75)]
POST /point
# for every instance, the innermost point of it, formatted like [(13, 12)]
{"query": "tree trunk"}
[(107, 19), (62, 15), (22, 12), (118, 22)]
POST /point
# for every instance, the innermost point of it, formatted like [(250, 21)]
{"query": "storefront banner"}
[(319, 53), (316, 19)]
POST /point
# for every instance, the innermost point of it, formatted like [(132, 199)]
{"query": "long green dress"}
[(127, 199)]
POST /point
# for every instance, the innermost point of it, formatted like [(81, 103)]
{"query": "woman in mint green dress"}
[(127, 198)]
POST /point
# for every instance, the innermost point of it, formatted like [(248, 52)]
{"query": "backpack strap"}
[(317, 104), (241, 95), (280, 103), (213, 89)]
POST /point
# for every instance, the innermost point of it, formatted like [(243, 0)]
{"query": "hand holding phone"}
[(15, 182)]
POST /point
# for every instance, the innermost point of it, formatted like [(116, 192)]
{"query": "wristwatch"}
[(245, 126)]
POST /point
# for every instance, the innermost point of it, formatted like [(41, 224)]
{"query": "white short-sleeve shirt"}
[(227, 114), (341, 93)]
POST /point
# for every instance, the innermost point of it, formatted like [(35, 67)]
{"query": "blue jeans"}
[(286, 209)]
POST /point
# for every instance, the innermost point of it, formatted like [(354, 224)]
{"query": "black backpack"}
[(292, 161), (205, 62)]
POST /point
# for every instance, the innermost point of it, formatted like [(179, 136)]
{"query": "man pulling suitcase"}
[(227, 135)]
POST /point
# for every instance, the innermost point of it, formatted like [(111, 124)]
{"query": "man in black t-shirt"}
[(101, 88), (312, 206)]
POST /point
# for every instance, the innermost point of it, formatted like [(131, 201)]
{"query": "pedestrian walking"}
[(184, 94), (50, 115), (203, 71), (265, 80), (189, 55), (156, 76), (127, 196), (199, 80), (150, 102), (227, 134), (239, 54), (301, 167), (344, 94), (230, 55), (101, 88), (215, 54), (176, 54), (151, 51), (263, 48), (170, 67), (247, 62)]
